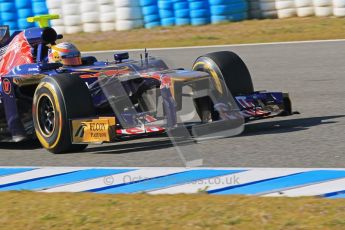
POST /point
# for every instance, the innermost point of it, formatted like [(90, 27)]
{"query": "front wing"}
[(170, 110)]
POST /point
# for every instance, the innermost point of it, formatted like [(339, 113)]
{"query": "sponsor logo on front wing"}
[(90, 131)]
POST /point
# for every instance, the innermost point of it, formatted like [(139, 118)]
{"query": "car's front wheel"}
[(57, 100), (229, 74)]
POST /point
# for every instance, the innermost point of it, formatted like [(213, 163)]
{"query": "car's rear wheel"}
[(57, 100), (227, 67)]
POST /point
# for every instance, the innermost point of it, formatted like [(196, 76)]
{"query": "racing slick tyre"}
[(56, 101), (222, 66), (230, 67)]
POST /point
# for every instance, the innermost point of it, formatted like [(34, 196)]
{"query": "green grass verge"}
[(28, 210), (251, 31)]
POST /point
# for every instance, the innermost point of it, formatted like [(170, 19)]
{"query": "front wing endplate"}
[(96, 130)]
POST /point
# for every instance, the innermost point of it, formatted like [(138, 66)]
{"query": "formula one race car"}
[(68, 107)]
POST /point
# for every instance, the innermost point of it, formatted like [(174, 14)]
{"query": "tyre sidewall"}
[(205, 64), (52, 142), (232, 70)]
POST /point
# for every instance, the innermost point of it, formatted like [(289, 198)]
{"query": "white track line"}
[(220, 46), (312, 190), (116, 179), (36, 173), (229, 180)]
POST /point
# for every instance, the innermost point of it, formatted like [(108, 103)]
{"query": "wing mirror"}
[(119, 57)]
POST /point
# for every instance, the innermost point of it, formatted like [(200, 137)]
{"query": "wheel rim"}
[(46, 115)]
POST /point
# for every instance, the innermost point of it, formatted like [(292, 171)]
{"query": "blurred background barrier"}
[(128, 14), (199, 11), (55, 8), (166, 12), (182, 15), (107, 15), (339, 8), (71, 15), (150, 12)]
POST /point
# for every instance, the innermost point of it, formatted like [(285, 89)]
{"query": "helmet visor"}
[(71, 61)]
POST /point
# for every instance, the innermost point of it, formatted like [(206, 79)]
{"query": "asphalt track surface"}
[(313, 74)]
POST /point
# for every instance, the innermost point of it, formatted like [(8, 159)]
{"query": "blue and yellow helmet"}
[(65, 53)]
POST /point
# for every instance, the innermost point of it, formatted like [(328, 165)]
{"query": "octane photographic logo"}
[(226, 180), (108, 180), (229, 180), (126, 179), (81, 130)]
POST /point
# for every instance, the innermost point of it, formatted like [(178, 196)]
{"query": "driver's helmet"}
[(65, 53)]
